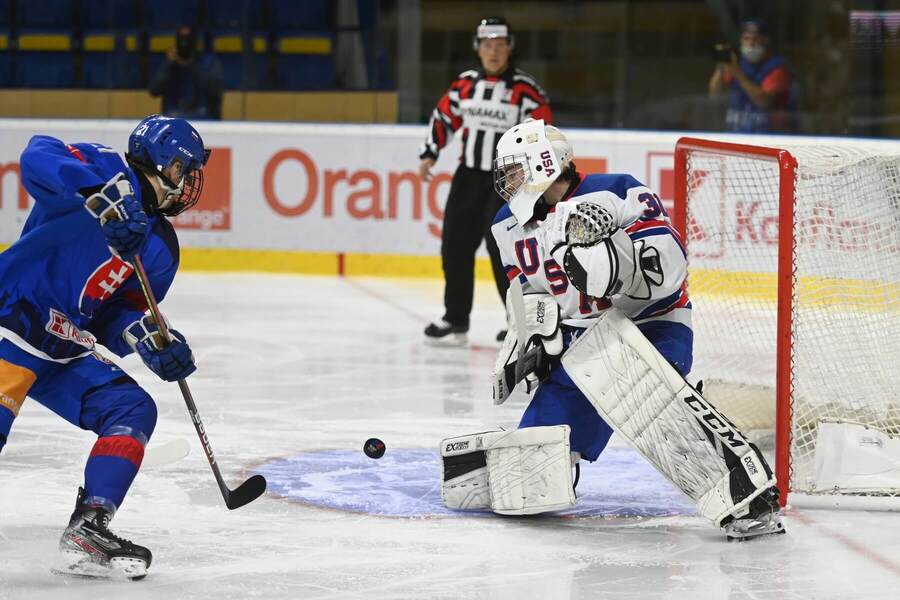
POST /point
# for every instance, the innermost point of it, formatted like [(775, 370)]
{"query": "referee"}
[(483, 103)]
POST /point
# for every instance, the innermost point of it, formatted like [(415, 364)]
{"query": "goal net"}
[(794, 276)]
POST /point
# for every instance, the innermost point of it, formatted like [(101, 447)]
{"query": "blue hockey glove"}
[(171, 362), (121, 217)]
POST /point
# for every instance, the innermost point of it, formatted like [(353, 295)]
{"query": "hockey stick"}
[(166, 453), (251, 489)]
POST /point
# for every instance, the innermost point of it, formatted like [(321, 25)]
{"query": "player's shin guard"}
[(113, 465), (520, 472), (646, 401)]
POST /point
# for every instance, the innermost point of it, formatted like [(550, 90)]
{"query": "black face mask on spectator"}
[(186, 42)]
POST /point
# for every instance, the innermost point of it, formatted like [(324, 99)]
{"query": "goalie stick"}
[(252, 488)]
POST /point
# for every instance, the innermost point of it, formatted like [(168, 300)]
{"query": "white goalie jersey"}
[(640, 269)]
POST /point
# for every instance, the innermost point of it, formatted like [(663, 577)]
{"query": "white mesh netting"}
[(846, 291)]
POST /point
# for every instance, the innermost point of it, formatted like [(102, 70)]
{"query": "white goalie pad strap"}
[(645, 400), (520, 472)]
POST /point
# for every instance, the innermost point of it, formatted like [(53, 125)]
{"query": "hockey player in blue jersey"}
[(602, 312), (68, 284)]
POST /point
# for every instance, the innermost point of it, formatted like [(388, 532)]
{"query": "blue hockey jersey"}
[(61, 288)]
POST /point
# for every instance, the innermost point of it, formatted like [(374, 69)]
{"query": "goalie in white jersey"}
[(602, 329)]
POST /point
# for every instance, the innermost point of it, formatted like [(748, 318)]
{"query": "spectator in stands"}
[(760, 85), (481, 105), (190, 83)]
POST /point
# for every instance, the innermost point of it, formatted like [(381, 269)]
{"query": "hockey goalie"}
[(601, 332)]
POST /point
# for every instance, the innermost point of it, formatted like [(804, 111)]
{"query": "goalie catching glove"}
[(543, 342), (579, 225), (599, 258), (171, 361)]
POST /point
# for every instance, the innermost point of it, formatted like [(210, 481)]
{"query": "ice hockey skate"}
[(763, 519), (442, 333), (89, 549)]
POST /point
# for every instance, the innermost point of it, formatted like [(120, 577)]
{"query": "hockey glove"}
[(543, 343), (121, 217), (172, 361), (578, 225)]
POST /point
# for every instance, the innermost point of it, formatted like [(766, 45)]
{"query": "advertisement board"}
[(332, 189)]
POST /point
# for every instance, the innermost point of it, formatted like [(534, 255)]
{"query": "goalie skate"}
[(89, 549), (763, 519)]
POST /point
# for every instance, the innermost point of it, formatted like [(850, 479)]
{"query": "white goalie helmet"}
[(530, 157)]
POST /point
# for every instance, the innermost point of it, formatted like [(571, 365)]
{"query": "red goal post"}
[(765, 229)]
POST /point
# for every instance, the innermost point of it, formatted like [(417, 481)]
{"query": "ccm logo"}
[(725, 432), (457, 446), (751, 466), (547, 161)]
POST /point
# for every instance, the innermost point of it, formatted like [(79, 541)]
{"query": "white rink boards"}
[(294, 374)]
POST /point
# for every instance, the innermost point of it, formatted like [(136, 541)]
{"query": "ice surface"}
[(295, 373)]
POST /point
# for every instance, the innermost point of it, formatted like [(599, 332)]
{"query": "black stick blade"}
[(246, 493)]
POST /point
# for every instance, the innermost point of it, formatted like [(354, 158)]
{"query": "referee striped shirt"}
[(484, 107)]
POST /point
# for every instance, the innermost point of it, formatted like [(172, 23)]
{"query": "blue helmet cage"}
[(156, 143)]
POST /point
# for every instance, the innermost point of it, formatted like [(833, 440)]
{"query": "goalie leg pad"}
[(464, 475), (530, 470), (520, 472), (645, 400)]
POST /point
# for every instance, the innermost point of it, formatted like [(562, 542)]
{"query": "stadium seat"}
[(234, 15), (5, 60), (97, 59), (245, 63), (5, 15), (107, 63), (304, 61), (285, 15), (169, 14), (108, 14), (46, 15), (45, 60)]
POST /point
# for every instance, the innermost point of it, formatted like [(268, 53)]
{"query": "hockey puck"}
[(374, 448)]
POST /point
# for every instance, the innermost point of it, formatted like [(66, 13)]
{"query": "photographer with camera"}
[(759, 83), (190, 84)]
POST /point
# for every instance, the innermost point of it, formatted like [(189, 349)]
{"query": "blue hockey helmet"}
[(156, 144)]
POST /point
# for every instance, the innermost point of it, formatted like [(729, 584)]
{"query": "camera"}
[(722, 53)]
